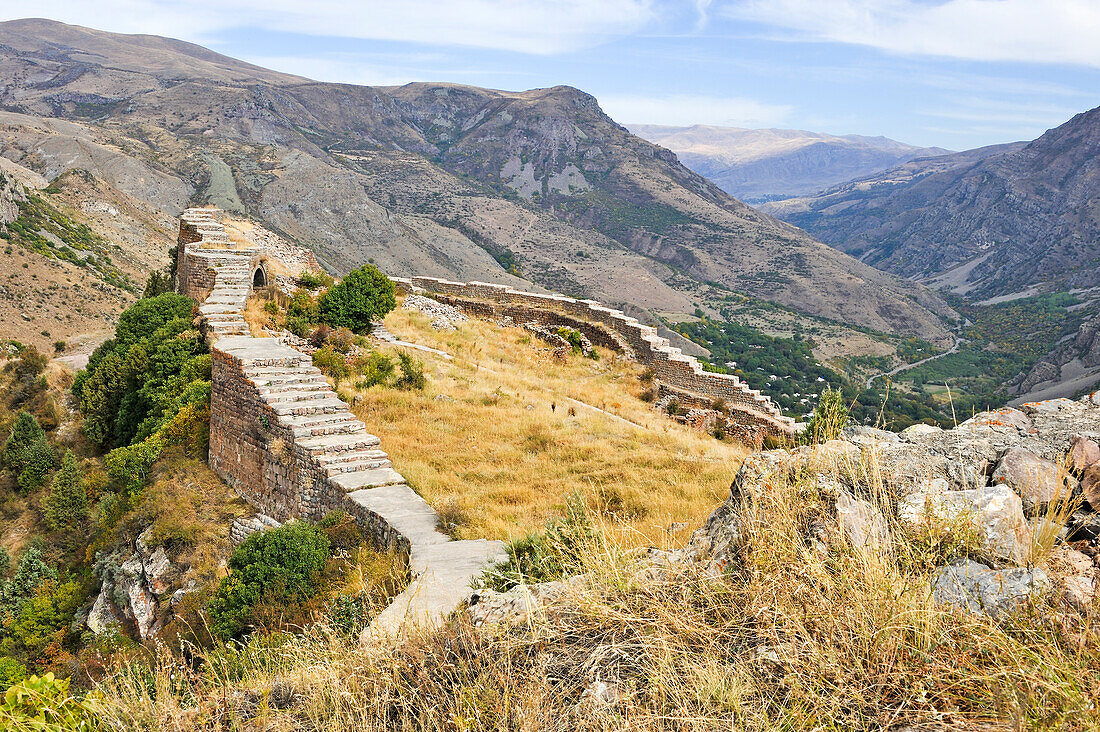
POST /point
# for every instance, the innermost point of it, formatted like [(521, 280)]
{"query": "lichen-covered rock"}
[(1074, 576), (1035, 480), (995, 511), (1083, 452), (974, 587)]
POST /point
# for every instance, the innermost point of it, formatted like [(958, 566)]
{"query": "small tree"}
[(67, 504), (829, 418), (27, 453), (364, 295), (157, 284)]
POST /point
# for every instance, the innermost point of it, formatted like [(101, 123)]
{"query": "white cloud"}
[(687, 109), (528, 26), (1036, 31)]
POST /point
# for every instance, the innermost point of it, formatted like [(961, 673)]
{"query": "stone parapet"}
[(674, 370)]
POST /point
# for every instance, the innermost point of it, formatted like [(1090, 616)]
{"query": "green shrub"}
[(412, 373), (277, 566), (376, 369), (363, 296), (66, 505), (829, 418), (127, 467), (135, 384), (27, 453), (32, 572), (44, 703), (11, 672), (332, 364), (314, 280), (157, 284), (550, 555)]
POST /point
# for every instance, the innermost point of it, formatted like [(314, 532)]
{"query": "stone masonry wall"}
[(676, 372), (290, 447)]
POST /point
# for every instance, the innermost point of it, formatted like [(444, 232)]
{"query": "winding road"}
[(907, 366)]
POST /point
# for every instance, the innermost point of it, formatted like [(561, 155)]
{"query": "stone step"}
[(373, 478), (400, 507), (331, 445), (349, 456), (345, 426), (321, 419), (296, 395), (355, 467), (309, 407)]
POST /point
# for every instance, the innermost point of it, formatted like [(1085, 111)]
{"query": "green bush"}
[(67, 503), (412, 373), (31, 574), (44, 703), (314, 280), (550, 555), (127, 467), (332, 364), (829, 418), (277, 566), (157, 284), (363, 296), (376, 369), (11, 672), (27, 453), (137, 383)]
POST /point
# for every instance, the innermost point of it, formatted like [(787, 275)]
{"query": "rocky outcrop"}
[(990, 482), (135, 585)]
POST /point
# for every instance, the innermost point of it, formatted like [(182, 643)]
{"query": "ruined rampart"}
[(290, 447), (677, 373)]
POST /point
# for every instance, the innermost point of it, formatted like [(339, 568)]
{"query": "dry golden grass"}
[(798, 634), (504, 432)]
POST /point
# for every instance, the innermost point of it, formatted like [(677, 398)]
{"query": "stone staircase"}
[(335, 444), (352, 461)]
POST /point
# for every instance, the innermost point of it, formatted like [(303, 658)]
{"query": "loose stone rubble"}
[(444, 317)]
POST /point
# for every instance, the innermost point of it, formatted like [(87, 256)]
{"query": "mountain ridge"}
[(760, 165), (435, 179)]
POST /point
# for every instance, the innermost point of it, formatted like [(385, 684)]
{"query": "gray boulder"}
[(973, 587), (1035, 480), (995, 511)]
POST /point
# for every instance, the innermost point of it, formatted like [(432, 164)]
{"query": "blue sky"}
[(952, 73)]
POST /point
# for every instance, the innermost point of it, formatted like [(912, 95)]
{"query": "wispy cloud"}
[(1034, 31), (527, 26), (686, 109)]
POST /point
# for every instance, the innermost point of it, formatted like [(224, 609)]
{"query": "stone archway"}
[(259, 278)]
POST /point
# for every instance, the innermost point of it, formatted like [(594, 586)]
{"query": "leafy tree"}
[(364, 295), (157, 284), (67, 504), (412, 373), (27, 453), (277, 566), (136, 383)]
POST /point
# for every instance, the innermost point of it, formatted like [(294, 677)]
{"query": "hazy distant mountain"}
[(427, 178), (771, 164), (1007, 219)]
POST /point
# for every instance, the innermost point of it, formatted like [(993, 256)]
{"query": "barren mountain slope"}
[(1010, 219), (431, 178), (774, 164)]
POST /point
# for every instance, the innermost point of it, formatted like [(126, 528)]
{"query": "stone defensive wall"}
[(678, 374), (281, 437)]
